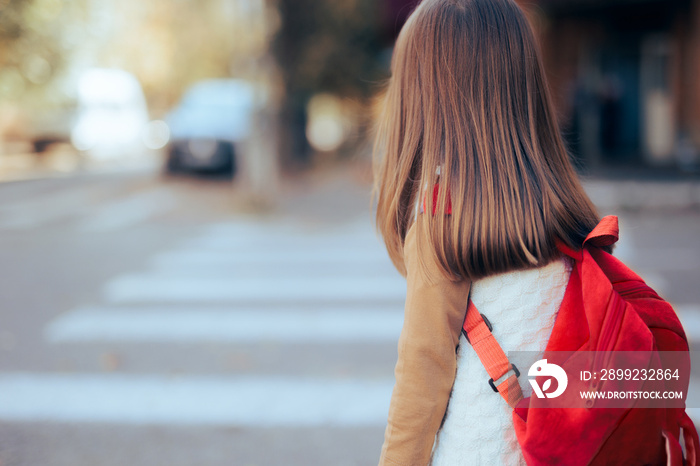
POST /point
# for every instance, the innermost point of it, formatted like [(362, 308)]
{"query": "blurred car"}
[(212, 118), (112, 114)]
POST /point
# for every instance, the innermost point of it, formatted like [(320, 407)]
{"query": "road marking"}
[(155, 288), (166, 400), (306, 243), (285, 235), (219, 325), (245, 226), (273, 271), (130, 211), (348, 255)]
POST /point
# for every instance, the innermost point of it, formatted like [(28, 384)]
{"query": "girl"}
[(474, 188)]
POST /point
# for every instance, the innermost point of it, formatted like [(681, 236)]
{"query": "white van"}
[(112, 115)]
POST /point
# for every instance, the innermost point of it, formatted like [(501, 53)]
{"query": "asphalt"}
[(116, 249)]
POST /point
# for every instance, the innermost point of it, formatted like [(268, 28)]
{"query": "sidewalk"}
[(332, 190), (611, 194), (63, 161), (340, 186)]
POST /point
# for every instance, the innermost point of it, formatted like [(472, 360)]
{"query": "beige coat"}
[(427, 362)]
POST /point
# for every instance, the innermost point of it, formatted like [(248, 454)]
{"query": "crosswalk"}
[(239, 283), (293, 295)]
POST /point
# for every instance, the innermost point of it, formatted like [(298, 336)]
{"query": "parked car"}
[(208, 124), (49, 127), (112, 115)]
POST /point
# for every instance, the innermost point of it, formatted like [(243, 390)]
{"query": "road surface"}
[(149, 321)]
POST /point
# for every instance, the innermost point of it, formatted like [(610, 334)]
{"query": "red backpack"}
[(606, 307)]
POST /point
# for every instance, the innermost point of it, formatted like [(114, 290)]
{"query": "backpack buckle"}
[(517, 374), (487, 322)]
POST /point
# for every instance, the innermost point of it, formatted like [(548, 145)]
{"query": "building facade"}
[(626, 78)]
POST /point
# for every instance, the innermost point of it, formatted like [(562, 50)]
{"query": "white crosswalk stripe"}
[(154, 400), (271, 257), (126, 212), (146, 288), (224, 325)]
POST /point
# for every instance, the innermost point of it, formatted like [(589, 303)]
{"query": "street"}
[(153, 321)]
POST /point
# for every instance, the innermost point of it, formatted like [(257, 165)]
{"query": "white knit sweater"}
[(522, 306)]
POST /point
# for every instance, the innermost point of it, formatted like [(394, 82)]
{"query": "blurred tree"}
[(333, 46), (10, 27), (323, 46), (46, 44), (37, 43), (170, 45), (12, 32), (36, 37)]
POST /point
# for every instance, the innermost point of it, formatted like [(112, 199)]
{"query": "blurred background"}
[(188, 269)]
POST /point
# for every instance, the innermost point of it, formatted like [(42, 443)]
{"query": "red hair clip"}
[(436, 191)]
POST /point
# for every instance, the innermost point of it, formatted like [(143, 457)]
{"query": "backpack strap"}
[(477, 328), (504, 375), (606, 233), (690, 438)]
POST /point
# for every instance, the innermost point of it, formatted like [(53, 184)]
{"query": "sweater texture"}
[(522, 306)]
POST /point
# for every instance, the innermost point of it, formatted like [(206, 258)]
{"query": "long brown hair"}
[(468, 109)]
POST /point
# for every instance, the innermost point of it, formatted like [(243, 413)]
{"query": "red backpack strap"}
[(477, 329), (690, 438), (606, 233)]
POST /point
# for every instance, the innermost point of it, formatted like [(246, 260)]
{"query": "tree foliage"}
[(35, 39), (334, 46)]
